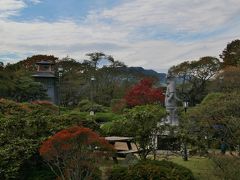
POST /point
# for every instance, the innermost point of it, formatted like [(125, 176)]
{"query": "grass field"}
[(201, 167)]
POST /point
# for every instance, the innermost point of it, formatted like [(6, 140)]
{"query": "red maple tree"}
[(74, 153), (144, 93)]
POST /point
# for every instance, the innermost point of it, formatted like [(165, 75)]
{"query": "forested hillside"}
[(111, 80)]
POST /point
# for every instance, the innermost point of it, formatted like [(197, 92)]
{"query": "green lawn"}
[(201, 167)]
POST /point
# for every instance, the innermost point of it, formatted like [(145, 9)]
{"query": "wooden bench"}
[(121, 153)]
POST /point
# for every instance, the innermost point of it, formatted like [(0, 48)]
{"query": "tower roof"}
[(45, 62)]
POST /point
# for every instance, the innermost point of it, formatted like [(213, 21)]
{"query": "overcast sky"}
[(154, 34)]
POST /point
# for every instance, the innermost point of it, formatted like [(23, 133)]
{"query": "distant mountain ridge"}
[(149, 72)]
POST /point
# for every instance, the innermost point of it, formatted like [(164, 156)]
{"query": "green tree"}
[(231, 54), (142, 123), (110, 83), (96, 57), (23, 126), (16, 82), (111, 80), (6, 83), (217, 118), (73, 81), (19, 86), (26, 89), (195, 76), (228, 80), (76, 82)]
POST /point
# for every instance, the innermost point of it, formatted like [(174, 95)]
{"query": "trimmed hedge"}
[(87, 106), (101, 117), (151, 170)]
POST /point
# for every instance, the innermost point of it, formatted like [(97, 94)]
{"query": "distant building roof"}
[(44, 62), (44, 74)]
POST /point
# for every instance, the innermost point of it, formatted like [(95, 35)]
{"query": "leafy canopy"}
[(142, 123), (231, 54), (194, 77)]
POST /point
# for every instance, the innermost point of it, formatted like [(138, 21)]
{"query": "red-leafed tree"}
[(144, 93), (75, 153)]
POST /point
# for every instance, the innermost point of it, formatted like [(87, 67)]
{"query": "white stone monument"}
[(171, 101)]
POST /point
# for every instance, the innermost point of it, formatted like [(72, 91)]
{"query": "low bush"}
[(73, 118), (106, 117), (114, 128), (87, 106), (46, 105), (9, 107), (152, 170)]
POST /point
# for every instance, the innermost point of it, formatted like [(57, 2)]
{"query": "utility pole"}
[(185, 154), (92, 81), (60, 72)]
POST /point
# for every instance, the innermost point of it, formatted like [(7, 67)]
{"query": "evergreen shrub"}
[(152, 170), (87, 106), (106, 117)]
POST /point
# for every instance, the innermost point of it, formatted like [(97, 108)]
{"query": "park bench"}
[(120, 152)]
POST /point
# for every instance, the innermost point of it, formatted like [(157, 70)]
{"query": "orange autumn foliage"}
[(72, 148), (69, 138)]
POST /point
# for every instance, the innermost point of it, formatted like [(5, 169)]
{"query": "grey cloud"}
[(187, 15), (73, 47), (120, 38)]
